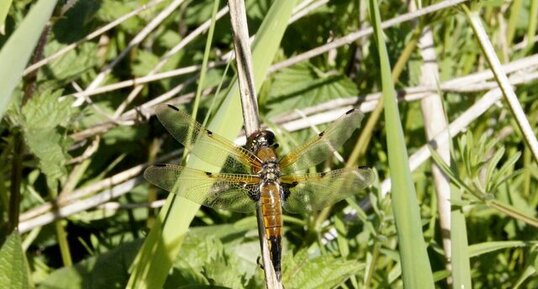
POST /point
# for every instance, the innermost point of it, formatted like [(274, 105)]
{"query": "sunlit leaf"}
[(44, 116), (13, 270)]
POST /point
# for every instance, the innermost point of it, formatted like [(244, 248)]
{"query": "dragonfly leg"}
[(259, 262)]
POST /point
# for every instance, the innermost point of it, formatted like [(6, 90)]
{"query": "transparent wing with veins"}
[(320, 147), (216, 190), (312, 192), (210, 147)]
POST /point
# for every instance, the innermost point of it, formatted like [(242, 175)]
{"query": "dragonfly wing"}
[(312, 192), (210, 147), (320, 147), (231, 192)]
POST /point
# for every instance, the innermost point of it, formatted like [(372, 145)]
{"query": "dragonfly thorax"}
[(270, 171)]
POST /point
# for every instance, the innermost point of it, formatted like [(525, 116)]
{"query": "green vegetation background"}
[(49, 153)]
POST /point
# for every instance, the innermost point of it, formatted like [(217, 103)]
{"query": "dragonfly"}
[(253, 176)]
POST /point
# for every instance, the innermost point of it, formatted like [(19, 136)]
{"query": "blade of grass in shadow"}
[(416, 270), (163, 243), (17, 51)]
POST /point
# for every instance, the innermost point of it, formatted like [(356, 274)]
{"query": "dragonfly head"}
[(262, 138)]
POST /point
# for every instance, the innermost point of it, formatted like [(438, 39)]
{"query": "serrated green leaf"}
[(303, 86), (318, 272), (68, 67), (109, 270), (13, 271), (43, 116), (207, 261)]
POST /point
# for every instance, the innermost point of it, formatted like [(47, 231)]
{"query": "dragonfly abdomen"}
[(271, 207)]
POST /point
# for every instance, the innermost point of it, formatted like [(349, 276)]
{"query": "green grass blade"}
[(17, 51), (4, 9), (165, 238), (416, 268)]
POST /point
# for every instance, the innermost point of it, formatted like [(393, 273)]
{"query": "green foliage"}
[(303, 86), (303, 271), (44, 118), (13, 269), (481, 163), (93, 154)]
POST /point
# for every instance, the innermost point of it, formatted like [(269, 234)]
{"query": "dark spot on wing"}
[(350, 111), (173, 107), (321, 133), (208, 174), (322, 174), (209, 133)]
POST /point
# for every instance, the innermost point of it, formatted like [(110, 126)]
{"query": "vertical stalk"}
[(15, 187), (249, 104)]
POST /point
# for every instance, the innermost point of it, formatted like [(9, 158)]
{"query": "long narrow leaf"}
[(17, 51), (416, 268)]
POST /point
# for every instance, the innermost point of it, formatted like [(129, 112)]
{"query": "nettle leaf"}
[(305, 272), (108, 270), (70, 66), (44, 116), (303, 85), (111, 10), (13, 271), (205, 261), (145, 63)]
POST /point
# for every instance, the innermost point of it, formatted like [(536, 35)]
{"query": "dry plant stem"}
[(135, 41), (130, 117), (348, 39), (135, 82), (90, 36), (243, 58), (81, 193), (198, 31), (504, 83), (86, 204), (250, 114), (434, 123)]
